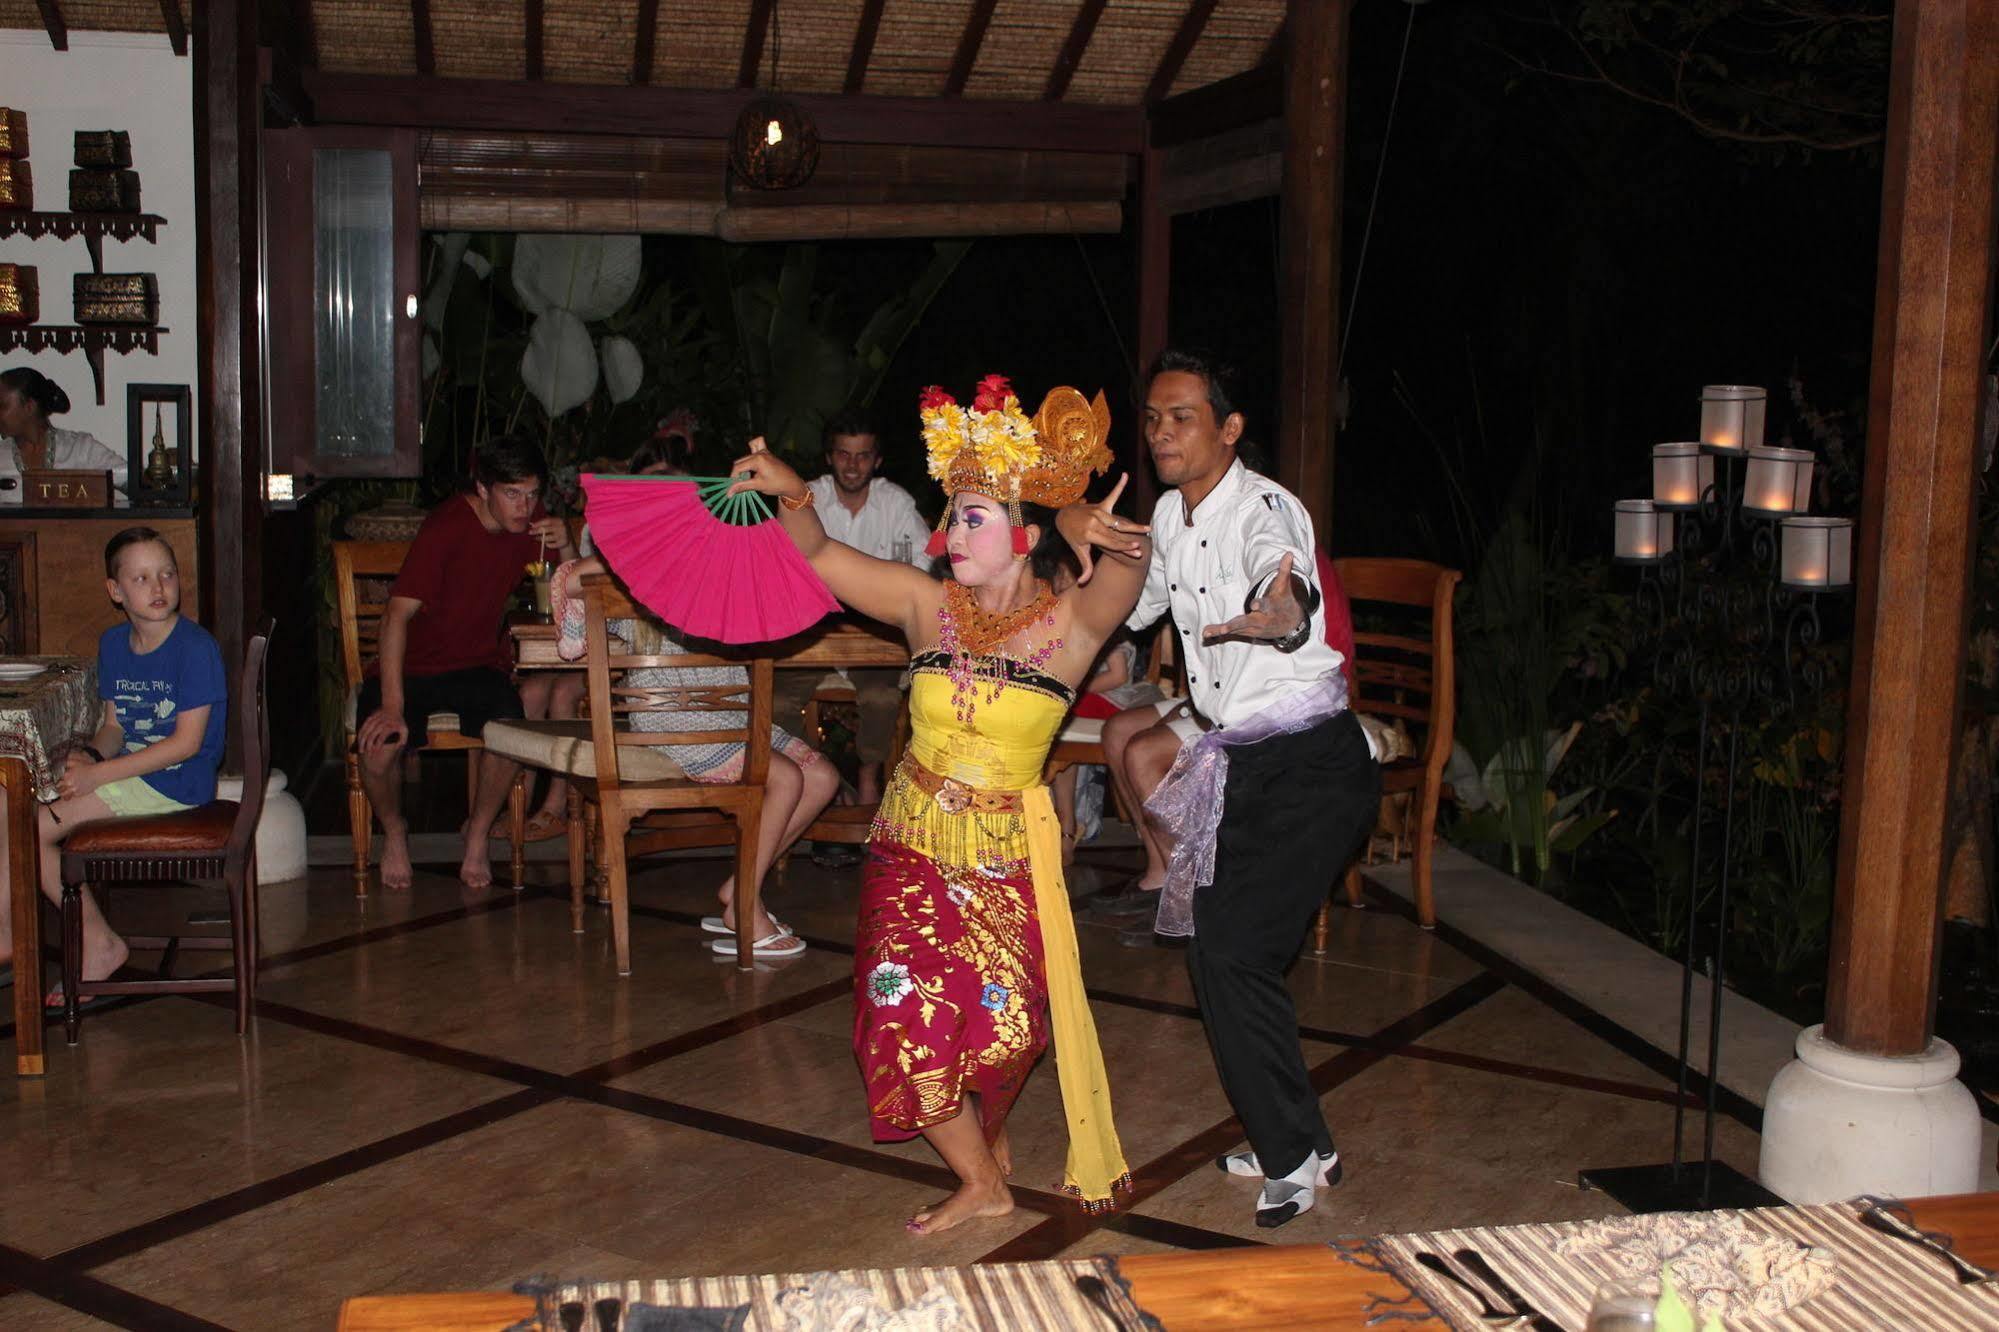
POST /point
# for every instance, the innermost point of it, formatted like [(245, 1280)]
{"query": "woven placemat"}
[(1878, 1282), (990, 1297)]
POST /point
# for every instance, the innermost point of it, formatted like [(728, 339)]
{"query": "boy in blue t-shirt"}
[(166, 702)]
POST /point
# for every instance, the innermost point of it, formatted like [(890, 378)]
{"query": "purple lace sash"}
[(1188, 804)]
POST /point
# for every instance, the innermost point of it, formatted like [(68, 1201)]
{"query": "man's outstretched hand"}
[(1271, 618)]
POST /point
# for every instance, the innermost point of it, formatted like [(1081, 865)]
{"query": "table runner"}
[(39, 716), (1878, 1282), (991, 1297)]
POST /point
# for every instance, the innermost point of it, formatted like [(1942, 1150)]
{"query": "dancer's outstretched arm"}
[(886, 590)]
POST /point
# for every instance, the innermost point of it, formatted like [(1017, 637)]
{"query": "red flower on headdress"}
[(994, 390), (934, 396)]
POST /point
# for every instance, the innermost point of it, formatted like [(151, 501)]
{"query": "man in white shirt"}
[(876, 517), (1268, 805)]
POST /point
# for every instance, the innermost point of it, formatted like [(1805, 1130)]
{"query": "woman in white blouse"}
[(28, 398)]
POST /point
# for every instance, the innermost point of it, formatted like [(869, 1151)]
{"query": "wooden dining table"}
[(835, 642), (40, 717), (1288, 1286)]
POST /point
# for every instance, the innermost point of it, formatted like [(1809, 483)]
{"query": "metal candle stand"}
[(1718, 644)]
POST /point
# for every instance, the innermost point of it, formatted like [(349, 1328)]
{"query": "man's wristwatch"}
[(1296, 639)]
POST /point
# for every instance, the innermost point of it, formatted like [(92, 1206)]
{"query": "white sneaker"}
[(1293, 1195), (1245, 1165)]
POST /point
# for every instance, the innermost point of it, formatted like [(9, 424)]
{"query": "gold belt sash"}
[(954, 797)]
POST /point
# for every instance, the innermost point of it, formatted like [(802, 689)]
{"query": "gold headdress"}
[(995, 449)]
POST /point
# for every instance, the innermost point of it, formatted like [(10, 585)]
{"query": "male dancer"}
[(1269, 805)]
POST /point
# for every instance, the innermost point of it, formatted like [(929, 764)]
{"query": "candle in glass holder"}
[(1681, 474), (1778, 481), (1644, 533), (1817, 553), (1732, 417)]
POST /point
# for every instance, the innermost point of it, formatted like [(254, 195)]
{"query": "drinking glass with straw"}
[(540, 571)]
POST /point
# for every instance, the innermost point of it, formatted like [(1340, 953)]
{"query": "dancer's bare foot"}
[(1003, 1154), (396, 871), (974, 1199), (476, 870)]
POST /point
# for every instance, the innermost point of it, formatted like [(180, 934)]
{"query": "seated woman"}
[(28, 398), (1113, 687), (797, 788)]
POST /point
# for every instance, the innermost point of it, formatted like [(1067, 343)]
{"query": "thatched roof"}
[(1124, 52)]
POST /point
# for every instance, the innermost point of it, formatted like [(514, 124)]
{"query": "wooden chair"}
[(1407, 672), (641, 783), (217, 841), (360, 640)]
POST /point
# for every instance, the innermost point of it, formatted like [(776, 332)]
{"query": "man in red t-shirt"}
[(442, 648)]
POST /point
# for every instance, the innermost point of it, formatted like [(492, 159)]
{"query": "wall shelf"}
[(93, 340), (93, 227)]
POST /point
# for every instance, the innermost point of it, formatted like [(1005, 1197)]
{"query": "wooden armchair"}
[(360, 640), (216, 841), (1405, 670), (641, 783)]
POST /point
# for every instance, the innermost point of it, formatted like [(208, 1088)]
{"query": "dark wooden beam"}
[(1072, 51), (753, 43), (1315, 98), (642, 42), (176, 27), (864, 46), (532, 22), (1243, 99), (305, 34), (1177, 50), (1917, 519), (1155, 300), (1273, 54), (230, 458), (969, 43), (52, 20), (421, 39), (479, 104)]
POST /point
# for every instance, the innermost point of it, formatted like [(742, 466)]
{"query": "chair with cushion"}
[(1406, 673), (217, 841), (642, 785), (376, 563)]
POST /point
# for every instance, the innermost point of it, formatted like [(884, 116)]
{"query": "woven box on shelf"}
[(117, 298), (17, 186), (103, 191), (20, 294), (13, 132), (103, 149)]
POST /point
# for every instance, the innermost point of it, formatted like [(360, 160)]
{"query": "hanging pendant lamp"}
[(775, 145)]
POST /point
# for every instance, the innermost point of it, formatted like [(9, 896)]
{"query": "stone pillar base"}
[(1839, 1123), (280, 831)]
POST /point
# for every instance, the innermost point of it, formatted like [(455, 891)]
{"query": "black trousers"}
[(1294, 813)]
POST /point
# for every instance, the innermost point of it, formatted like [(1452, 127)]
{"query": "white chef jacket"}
[(1207, 567), (888, 513)]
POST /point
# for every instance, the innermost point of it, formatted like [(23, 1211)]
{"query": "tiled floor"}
[(449, 1091)]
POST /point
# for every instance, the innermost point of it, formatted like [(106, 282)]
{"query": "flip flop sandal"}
[(778, 943), (714, 925), (52, 1001), (541, 826)]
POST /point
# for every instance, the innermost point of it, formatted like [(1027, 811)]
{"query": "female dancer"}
[(965, 955)]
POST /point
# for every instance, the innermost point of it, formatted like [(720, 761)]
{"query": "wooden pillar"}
[(227, 120), (1315, 95), (1931, 318), (1155, 300)]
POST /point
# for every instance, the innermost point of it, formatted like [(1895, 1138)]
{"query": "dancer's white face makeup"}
[(980, 541)]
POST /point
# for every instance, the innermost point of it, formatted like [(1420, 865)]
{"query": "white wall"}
[(115, 81)]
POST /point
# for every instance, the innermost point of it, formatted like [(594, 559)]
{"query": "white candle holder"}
[(1644, 532), (1681, 474), (1732, 417), (1779, 481), (1817, 554)]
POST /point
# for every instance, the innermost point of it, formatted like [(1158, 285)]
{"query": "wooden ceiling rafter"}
[(423, 42), (1071, 54), (307, 34), (642, 43), (176, 27), (534, 26), (1178, 50), (864, 46), (53, 23), (753, 43), (969, 43)]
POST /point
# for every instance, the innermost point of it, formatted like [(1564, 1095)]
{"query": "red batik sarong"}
[(952, 997)]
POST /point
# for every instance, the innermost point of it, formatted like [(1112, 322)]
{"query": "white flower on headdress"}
[(1003, 440)]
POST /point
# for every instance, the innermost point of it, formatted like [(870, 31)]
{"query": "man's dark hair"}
[(851, 421), (1223, 383), (507, 460), (132, 536)]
